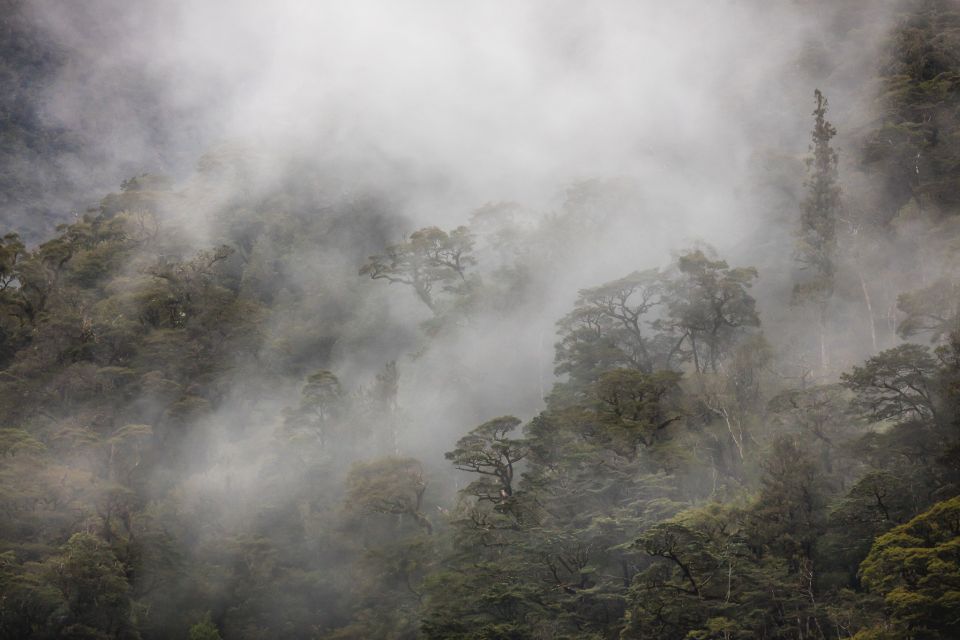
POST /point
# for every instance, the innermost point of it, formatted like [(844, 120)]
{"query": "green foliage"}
[(389, 486), (817, 237), (822, 417), (204, 630), (609, 328), (488, 451), (635, 408), (932, 310), (94, 588), (896, 384), (430, 259), (178, 458), (321, 408), (915, 567), (696, 312), (708, 309), (789, 512), (915, 144)]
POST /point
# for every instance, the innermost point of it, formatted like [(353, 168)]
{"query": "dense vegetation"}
[(179, 460)]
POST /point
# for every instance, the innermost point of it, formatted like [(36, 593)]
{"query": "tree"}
[(708, 309), (788, 516), (897, 384), (820, 415), (916, 568), (912, 142), (636, 408), (697, 311), (488, 451), (186, 285), (383, 401), (389, 486), (95, 588), (704, 581), (430, 258), (817, 235), (13, 305), (933, 310), (205, 630), (12, 251), (876, 502), (609, 327), (321, 405)]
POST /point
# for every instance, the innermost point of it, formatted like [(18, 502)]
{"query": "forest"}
[(311, 387)]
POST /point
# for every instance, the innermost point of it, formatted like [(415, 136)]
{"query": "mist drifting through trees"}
[(547, 320)]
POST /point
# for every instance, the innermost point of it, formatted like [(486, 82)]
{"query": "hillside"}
[(293, 396)]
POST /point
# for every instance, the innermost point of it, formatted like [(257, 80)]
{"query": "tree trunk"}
[(869, 304), (822, 326), (423, 522)]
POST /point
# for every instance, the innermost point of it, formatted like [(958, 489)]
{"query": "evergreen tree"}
[(817, 235)]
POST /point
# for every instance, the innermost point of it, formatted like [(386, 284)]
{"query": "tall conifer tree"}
[(817, 235)]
